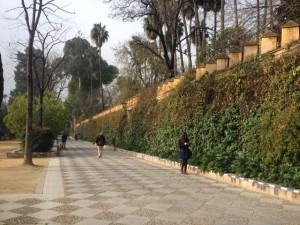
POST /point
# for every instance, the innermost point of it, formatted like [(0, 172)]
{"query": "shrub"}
[(42, 139)]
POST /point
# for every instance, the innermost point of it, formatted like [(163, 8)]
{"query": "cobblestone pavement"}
[(122, 190)]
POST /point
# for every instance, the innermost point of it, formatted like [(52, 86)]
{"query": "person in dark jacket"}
[(64, 138), (184, 152), (100, 142)]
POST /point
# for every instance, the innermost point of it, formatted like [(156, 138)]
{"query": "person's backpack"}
[(100, 141)]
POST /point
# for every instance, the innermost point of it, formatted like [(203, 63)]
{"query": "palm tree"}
[(99, 35)]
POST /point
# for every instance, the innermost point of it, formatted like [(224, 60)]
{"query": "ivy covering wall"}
[(247, 122)]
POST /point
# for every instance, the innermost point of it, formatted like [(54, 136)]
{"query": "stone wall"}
[(269, 45), (162, 91), (269, 42)]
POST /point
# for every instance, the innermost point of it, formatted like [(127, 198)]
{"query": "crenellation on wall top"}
[(290, 34), (290, 24), (222, 56), (251, 43), (269, 34), (212, 61)]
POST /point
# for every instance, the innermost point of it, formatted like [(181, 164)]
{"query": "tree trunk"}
[(236, 16), (222, 15), (31, 28), (41, 110), (271, 14), (204, 25), (100, 77), (188, 45), (257, 20), (28, 136), (181, 57), (215, 22), (265, 15), (1, 81), (197, 28)]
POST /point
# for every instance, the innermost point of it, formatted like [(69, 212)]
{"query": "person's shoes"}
[(185, 173), (98, 156)]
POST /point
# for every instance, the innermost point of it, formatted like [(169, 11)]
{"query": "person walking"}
[(100, 142), (184, 152), (64, 138)]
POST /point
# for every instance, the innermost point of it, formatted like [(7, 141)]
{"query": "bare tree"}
[(36, 9), (33, 13), (165, 12), (45, 68)]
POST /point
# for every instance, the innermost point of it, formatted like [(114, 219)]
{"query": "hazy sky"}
[(87, 13)]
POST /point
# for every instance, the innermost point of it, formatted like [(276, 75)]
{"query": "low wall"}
[(20, 154)]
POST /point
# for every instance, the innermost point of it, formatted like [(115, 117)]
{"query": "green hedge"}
[(247, 122), (42, 139)]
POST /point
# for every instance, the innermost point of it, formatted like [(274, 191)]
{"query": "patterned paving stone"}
[(22, 220), (10, 206), (86, 212), (47, 205), (8, 215), (67, 219), (65, 200), (111, 216), (30, 201), (122, 190), (26, 210), (46, 214), (133, 220), (66, 208)]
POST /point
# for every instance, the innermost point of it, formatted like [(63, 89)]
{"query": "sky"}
[(87, 13)]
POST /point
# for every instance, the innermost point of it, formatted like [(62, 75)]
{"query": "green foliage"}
[(125, 92), (15, 119), (55, 115), (232, 38), (42, 139), (247, 122), (82, 65)]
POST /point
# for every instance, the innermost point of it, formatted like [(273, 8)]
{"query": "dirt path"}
[(15, 177), (8, 145)]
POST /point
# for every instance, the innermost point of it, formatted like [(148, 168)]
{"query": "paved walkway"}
[(121, 190)]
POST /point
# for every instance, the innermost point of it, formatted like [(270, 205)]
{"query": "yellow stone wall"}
[(290, 33)]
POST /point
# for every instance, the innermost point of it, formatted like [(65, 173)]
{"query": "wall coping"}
[(290, 24), (251, 43), (269, 34), (20, 154), (235, 50)]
